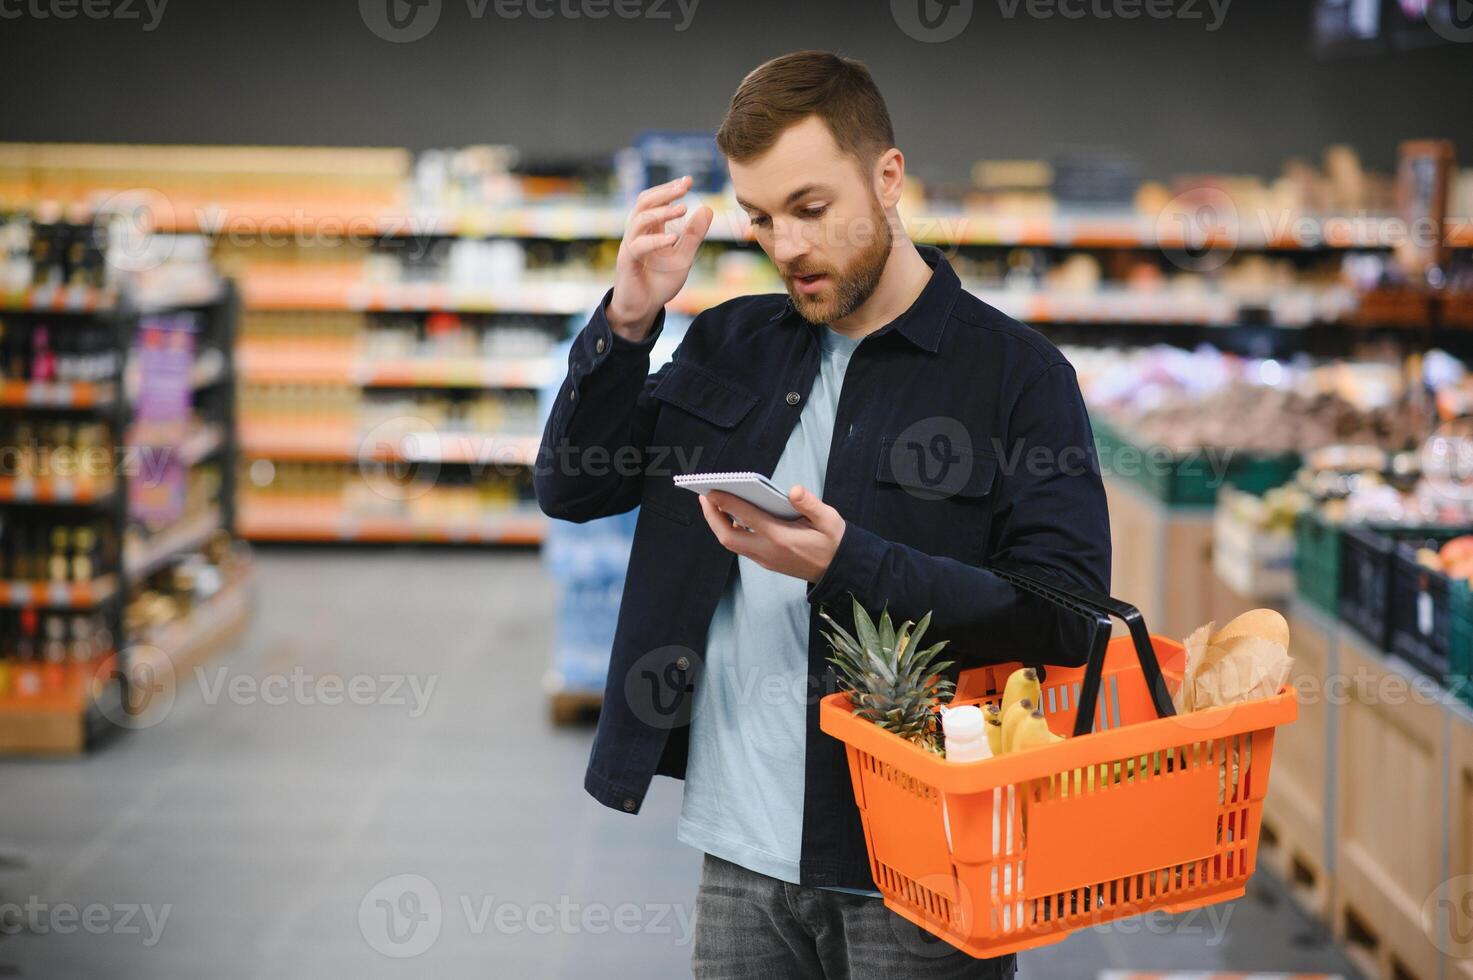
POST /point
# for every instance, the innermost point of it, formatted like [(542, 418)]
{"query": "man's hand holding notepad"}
[(754, 488)]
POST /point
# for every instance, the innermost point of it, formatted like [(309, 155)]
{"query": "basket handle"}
[(1100, 608)]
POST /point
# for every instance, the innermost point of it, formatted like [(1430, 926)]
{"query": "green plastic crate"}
[(1317, 561), (1189, 480), (1460, 640)]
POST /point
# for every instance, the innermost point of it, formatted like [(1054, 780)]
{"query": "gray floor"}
[(268, 833)]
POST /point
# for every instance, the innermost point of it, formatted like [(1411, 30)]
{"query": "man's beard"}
[(850, 288)]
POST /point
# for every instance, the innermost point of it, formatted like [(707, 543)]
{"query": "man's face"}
[(815, 214)]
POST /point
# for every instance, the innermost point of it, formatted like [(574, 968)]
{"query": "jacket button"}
[(794, 398), (572, 394), (599, 347), (629, 804), (683, 663)]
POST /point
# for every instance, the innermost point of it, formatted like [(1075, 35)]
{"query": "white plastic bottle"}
[(965, 730)]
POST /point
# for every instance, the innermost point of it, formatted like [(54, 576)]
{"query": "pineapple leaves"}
[(889, 677)]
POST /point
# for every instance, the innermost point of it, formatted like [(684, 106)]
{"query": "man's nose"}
[(788, 243)]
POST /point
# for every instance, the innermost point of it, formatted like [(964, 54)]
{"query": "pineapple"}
[(890, 680)]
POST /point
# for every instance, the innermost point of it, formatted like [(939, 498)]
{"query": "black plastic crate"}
[(1366, 565), (1420, 614)]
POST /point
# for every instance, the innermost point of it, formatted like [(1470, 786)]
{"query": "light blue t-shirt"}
[(744, 775)]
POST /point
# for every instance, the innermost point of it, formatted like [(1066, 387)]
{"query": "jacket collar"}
[(925, 321)]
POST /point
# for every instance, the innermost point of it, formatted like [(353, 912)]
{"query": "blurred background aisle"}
[(287, 649), (265, 826)]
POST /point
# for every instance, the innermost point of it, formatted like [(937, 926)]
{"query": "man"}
[(924, 435)]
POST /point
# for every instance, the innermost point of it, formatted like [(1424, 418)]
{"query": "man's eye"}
[(816, 211)]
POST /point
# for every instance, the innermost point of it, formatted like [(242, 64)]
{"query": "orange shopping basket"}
[(1141, 809)]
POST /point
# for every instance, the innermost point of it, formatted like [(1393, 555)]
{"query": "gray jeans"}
[(751, 926)]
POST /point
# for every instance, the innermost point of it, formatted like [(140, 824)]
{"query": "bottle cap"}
[(963, 723)]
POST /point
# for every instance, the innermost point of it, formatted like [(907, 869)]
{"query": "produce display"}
[(1187, 400), (1454, 559)]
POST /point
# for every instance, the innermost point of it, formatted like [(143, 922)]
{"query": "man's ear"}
[(889, 177)]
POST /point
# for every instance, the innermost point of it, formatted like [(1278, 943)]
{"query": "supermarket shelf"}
[(276, 523), (58, 299), (58, 722), (162, 654), (156, 551), (570, 221), (263, 366), (51, 490), (58, 595), (306, 443), (92, 299), (564, 298), (55, 394), (1285, 307)]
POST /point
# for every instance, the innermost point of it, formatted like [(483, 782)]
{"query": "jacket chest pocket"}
[(938, 501), (699, 410)]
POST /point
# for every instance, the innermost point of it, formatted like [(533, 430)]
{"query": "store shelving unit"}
[(1289, 316), (69, 707)]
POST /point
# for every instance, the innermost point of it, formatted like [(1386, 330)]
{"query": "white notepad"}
[(754, 488)]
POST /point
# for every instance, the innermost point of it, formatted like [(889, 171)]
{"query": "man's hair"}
[(787, 90)]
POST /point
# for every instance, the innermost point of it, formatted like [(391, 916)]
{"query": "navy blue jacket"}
[(960, 439)]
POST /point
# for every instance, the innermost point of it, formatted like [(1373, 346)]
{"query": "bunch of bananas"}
[(1019, 723)]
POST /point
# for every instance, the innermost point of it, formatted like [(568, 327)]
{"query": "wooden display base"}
[(1297, 836), (570, 707), (64, 723), (1162, 559), (164, 655), (1391, 750), (1460, 850)]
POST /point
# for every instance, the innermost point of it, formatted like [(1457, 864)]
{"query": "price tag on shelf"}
[(20, 593)]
